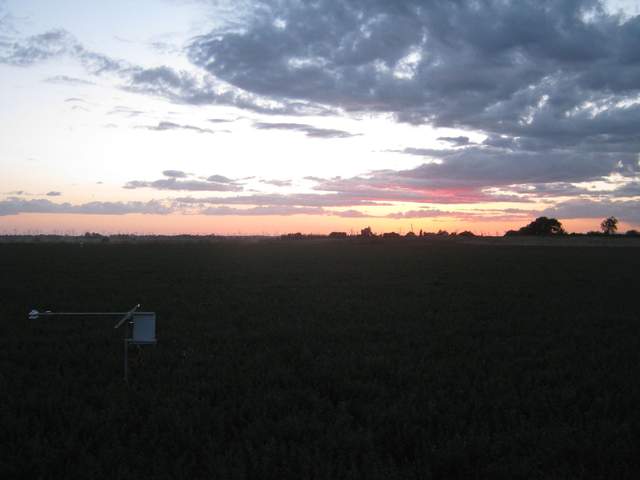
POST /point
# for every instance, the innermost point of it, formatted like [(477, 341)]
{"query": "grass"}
[(323, 359)]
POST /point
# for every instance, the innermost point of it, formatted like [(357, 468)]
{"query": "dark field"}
[(324, 360)]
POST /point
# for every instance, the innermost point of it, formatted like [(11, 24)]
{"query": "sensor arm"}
[(127, 316)]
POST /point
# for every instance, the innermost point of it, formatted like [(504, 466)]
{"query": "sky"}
[(267, 117)]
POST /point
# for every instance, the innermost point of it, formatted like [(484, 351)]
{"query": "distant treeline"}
[(541, 226)]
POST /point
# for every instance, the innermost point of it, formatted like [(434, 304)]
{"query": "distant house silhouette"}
[(338, 235), (390, 235), (366, 232)]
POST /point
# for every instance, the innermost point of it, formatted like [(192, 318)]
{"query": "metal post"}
[(126, 360), (146, 335)]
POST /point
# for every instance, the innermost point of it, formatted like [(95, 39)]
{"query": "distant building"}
[(390, 235), (292, 236), (338, 235)]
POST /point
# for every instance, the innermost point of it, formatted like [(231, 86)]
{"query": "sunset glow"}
[(207, 118)]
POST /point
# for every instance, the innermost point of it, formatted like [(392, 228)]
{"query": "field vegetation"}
[(323, 359)]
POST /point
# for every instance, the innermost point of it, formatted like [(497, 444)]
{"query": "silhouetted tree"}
[(609, 225), (466, 233), (366, 232), (633, 233), (540, 226)]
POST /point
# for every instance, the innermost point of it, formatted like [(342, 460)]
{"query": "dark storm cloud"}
[(632, 189), (628, 211), (308, 130), (448, 62), (486, 167), (16, 206), (185, 87), (536, 76), (164, 126)]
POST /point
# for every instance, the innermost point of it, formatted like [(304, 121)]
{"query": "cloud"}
[(6, 21), (447, 62), (277, 183), (483, 167), (294, 199), (178, 86), (625, 210), (460, 141), (414, 185), (16, 206), (66, 80), (261, 211), (37, 48), (351, 214), (555, 87), (308, 130), (23, 193), (561, 79), (163, 126), (219, 120), (421, 214), (174, 173), (181, 181), (220, 179), (126, 111), (177, 184)]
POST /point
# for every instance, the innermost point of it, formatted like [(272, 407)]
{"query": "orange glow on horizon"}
[(70, 224)]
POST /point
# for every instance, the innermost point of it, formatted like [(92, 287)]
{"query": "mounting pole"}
[(139, 327), (126, 361)]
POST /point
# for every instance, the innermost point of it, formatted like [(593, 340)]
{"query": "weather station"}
[(139, 327)]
